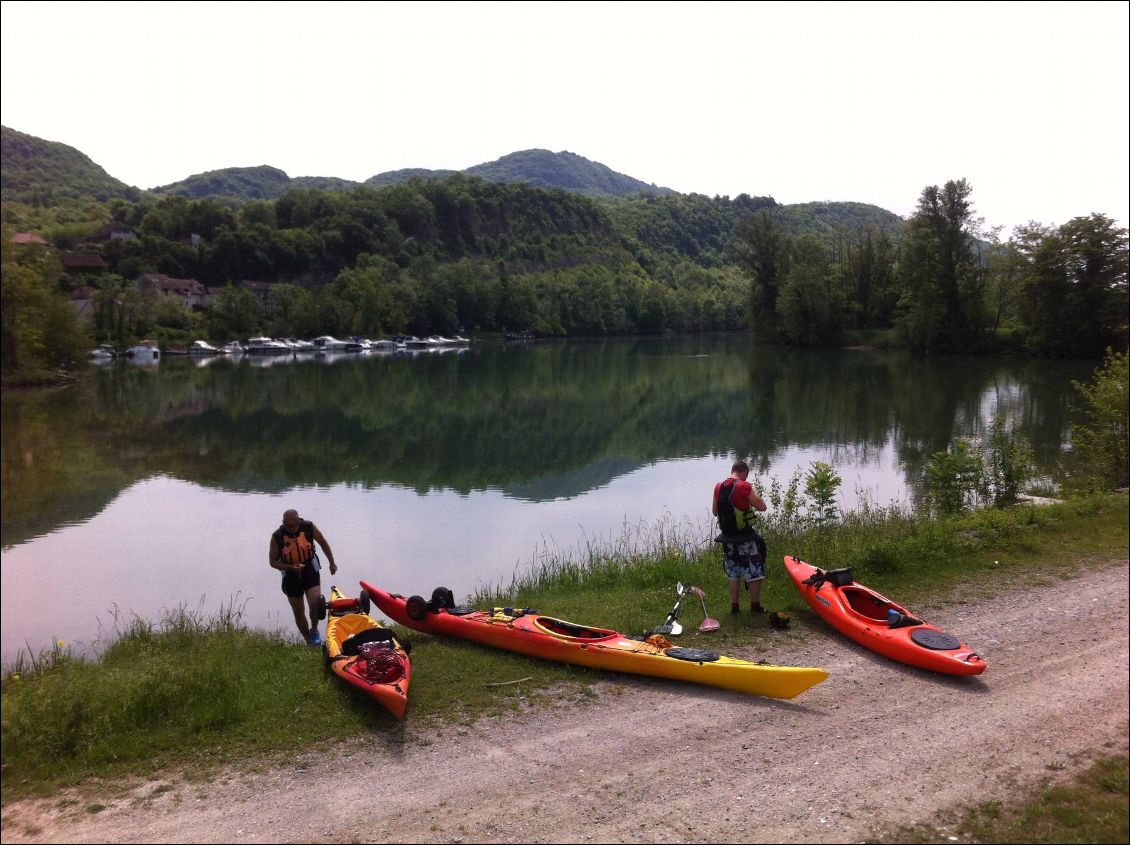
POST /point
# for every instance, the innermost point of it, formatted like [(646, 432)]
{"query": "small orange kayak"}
[(874, 621), (529, 632), (365, 654)]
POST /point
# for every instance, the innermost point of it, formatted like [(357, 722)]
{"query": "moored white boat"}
[(104, 351), (329, 343), (202, 347), (144, 350), (267, 346)]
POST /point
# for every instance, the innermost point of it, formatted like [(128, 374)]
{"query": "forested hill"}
[(567, 170), (540, 168), (248, 183), (43, 173)]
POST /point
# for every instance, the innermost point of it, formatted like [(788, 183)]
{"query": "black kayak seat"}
[(369, 635)]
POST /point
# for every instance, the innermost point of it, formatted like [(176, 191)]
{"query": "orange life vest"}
[(297, 549)]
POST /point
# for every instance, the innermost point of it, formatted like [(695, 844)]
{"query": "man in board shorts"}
[(743, 549)]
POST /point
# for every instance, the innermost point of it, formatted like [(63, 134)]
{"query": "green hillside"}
[(827, 218), (544, 169), (395, 177), (248, 183), (539, 168), (44, 173)]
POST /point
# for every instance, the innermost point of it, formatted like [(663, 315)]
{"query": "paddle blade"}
[(709, 624), (676, 628)]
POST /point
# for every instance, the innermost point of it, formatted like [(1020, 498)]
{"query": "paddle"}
[(708, 623), (671, 626)]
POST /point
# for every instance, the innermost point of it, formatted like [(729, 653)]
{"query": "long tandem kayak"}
[(534, 634), (876, 622)]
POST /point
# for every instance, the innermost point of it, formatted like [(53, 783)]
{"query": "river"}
[(144, 488)]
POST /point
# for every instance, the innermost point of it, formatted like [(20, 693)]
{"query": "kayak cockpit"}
[(571, 630), (866, 603)]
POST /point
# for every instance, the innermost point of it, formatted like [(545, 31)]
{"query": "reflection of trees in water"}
[(540, 421)]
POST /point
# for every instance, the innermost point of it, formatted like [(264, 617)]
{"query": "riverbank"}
[(195, 694), (878, 747)]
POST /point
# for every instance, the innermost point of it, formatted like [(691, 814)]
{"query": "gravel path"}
[(876, 744)]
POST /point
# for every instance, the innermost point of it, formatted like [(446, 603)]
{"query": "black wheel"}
[(364, 603), (443, 598), (322, 606), (416, 608), (406, 645)]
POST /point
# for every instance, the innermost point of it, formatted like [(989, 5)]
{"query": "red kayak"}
[(529, 632), (874, 621)]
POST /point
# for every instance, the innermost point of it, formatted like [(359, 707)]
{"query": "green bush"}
[(1099, 444)]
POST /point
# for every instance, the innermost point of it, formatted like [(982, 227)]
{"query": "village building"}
[(113, 231), (196, 296), (83, 262), (261, 289)]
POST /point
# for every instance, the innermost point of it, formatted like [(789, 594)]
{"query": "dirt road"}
[(876, 744)]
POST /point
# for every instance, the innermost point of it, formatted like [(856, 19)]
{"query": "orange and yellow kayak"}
[(874, 621), (365, 654), (531, 633)]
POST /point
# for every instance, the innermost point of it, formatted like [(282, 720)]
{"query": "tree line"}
[(463, 254), (945, 284)]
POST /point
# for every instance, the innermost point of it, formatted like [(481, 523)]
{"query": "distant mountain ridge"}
[(44, 173), (539, 168)]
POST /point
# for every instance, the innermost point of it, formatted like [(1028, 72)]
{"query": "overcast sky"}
[(868, 102)]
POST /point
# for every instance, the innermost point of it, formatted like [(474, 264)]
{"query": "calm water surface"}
[(145, 488)]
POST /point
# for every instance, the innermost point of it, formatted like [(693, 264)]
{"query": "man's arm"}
[(321, 540)]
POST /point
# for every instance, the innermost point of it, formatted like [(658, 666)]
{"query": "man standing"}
[(743, 549), (292, 553)]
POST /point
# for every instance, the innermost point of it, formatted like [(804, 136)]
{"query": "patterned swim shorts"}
[(742, 561)]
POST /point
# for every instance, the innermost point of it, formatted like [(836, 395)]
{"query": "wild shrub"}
[(1099, 443)]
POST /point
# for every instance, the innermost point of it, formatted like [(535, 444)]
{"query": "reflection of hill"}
[(568, 484), (538, 422)]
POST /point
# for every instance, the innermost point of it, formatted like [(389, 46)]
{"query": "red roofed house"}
[(194, 294), (27, 238)]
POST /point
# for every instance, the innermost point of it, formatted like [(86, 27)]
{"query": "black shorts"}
[(295, 584)]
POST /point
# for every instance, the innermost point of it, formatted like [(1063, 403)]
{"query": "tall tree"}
[(942, 303), (810, 309), (869, 277), (761, 248), (1075, 286)]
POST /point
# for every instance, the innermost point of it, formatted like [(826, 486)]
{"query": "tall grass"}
[(192, 690)]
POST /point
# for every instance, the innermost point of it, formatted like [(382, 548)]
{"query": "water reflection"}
[(453, 466)]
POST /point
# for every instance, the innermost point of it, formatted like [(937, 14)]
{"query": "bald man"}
[(293, 553)]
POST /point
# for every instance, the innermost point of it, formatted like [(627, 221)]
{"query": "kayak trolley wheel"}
[(364, 602), (416, 608), (406, 645), (322, 606)]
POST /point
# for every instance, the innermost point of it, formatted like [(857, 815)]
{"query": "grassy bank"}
[(1087, 808), (187, 693)]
